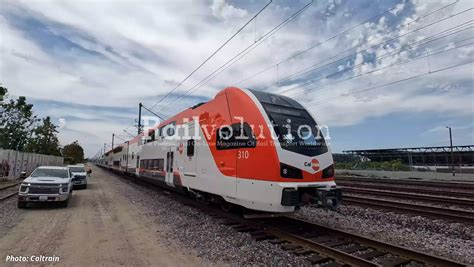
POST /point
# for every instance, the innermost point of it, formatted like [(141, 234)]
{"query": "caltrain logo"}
[(313, 164)]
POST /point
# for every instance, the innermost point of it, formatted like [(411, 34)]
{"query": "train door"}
[(190, 162), (169, 168)]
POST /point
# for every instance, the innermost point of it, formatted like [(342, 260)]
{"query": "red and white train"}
[(248, 148)]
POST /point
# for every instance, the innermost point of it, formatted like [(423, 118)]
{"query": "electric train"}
[(246, 148)]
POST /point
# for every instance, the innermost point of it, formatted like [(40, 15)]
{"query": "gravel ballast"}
[(436, 237), (192, 229)]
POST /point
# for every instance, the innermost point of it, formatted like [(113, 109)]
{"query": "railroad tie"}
[(334, 264), (353, 248), (316, 259), (302, 252), (336, 242), (372, 254), (392, 262)]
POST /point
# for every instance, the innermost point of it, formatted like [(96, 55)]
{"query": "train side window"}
[(241, 136), (161, 164), (190, 149), (151, 136)]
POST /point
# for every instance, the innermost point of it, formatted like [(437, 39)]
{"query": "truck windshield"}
[(77, 169), (58, 173), (296, 130)]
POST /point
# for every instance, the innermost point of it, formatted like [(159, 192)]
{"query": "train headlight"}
[(328, 172), (287, 171)]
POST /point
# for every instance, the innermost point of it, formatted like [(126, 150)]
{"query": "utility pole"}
[(113, 137), (452, 157), (139, 118)]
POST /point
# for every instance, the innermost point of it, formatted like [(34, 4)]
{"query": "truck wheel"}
[(22, 204), (64, 204)]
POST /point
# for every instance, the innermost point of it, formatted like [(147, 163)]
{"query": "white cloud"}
[(223, 10)]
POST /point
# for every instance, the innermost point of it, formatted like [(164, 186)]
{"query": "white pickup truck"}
[(46, 184), (80, 175)]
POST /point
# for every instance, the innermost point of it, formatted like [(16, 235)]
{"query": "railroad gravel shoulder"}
[(437, 237), (192, 229)]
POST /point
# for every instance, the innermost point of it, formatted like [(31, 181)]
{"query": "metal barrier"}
[(13, 163)]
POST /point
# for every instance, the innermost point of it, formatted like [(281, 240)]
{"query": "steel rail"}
[(11, 185), (389, 248), (429, 198), (426, 183), (5, 197), (393, 187), (430, 211)]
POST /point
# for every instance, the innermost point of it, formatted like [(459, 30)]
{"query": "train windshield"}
[(296, 130)]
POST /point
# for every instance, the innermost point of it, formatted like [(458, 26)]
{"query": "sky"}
[(379, 74)]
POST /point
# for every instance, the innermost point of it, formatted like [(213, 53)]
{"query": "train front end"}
[(291, 164)]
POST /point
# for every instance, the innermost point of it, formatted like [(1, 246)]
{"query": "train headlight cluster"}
[(290, 172), (328, 172)]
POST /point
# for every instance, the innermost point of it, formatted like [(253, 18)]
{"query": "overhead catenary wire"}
[(319, 66), (390, 83), (412, 46), (212, 55), (335, 36), (280, 80), (442, 50), (207, 59), (242, 53)]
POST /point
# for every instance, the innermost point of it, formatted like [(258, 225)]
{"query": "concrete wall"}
[(12, 162)]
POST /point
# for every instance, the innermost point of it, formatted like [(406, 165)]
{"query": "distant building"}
[(415, 156)]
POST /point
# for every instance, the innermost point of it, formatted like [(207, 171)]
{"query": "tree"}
[(3, 93), (74, 151), (45, 140), (16, 123)]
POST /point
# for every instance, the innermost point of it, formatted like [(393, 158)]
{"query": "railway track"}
[(302, 236), (318, 244), (436, 199), (425, 210), (394, 182), (9, 191), (438, 191)]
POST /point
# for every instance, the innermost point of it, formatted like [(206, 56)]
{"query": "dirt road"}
[(100, 227)]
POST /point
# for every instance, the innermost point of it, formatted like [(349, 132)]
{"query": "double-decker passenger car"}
[(248, 148)]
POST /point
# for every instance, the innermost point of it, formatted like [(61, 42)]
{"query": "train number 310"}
[(243, 154)]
